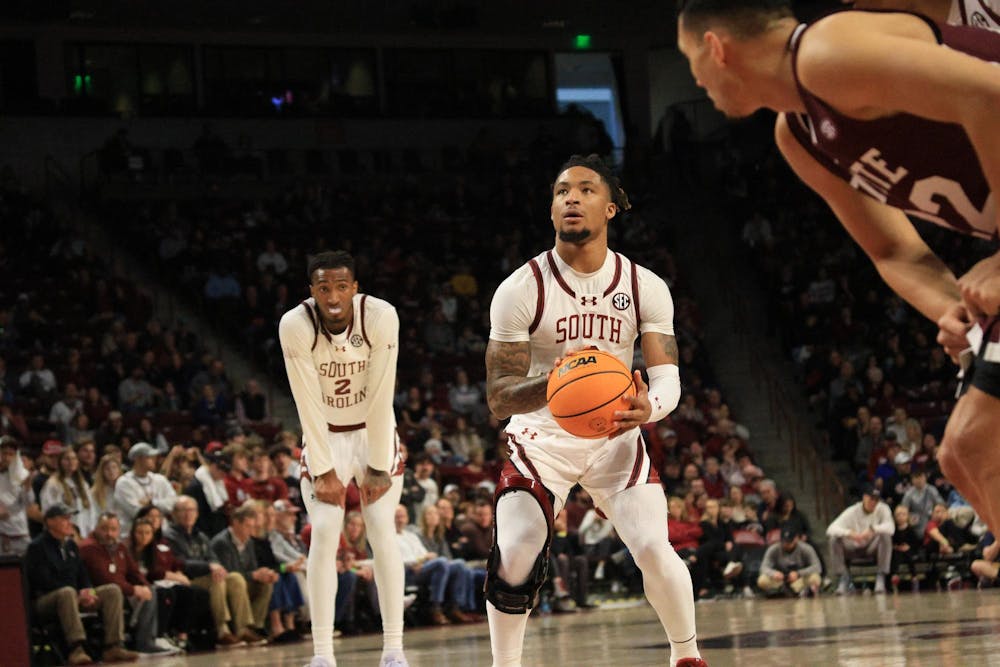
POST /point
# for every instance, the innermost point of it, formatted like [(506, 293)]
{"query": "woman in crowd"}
[(109, 469), (181, 607), (67, 486)]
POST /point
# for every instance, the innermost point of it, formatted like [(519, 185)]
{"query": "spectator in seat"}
[(105, 479), (426, 568), (252, 406), (37, 381), (906, 547), (237, 464), (286, 596), (466, 399), (141, 486), (423, 474), (86, 452), (944, 536), (478, 533), (987, 568), (715, 483), (597, 535), (287, 468), (227, 592), (15, 497), (234, 549), (863, 529), (60, 588), (182, 607), (431, 534), (570, 570), (790, 565), (920, 500), (63, 411), (108, 561), (67, 486), (263, 484)]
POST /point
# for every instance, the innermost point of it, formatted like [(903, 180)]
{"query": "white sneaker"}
[(732, 569), (319, 661), (395, 660), (408, 600)]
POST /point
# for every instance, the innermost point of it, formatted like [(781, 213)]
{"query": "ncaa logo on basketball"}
[(621, 301), (576, 363), (357, 341)]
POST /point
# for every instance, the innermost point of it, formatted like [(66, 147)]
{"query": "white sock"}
[(506, 636)]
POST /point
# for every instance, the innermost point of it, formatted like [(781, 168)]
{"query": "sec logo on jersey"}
[(621, 301)]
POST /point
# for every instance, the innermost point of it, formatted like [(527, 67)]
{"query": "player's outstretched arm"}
[(509, 390), (884, 233)]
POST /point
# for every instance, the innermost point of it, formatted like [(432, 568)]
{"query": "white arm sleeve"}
[(296, 338), (664, 390), (381, 420)]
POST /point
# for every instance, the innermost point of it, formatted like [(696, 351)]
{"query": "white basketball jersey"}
[(558, 310), (976, 13)]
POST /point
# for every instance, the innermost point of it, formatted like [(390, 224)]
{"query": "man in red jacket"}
[(109, 562)]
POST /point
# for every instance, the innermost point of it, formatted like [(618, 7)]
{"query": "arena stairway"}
[(755, 375)]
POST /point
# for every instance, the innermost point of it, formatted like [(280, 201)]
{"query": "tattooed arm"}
[(509, 390), (658, 348)]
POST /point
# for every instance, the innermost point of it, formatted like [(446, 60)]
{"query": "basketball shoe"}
[(691, 662), (394, 660)]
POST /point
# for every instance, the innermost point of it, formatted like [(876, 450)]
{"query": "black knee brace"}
[(518, 599)]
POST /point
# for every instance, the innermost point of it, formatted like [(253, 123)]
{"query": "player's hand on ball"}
[(329, 489), (374, 485), (640, 407)]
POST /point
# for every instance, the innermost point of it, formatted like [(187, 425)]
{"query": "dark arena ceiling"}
[(652, 18)]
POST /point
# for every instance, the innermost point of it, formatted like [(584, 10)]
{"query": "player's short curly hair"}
[(595, 163), (330, 259), (743, 18)]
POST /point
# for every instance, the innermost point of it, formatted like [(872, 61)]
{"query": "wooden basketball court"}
[(948, 628)]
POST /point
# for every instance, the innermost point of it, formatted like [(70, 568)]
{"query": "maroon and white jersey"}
[(346, 379), (976, 13), (926, 168), (558, 310)]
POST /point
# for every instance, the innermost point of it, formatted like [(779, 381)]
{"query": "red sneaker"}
[(691, 662)]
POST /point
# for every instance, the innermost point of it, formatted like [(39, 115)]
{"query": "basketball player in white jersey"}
[(340, 350), (576, 295), (976, 13)]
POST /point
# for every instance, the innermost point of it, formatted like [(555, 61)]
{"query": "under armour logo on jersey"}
[(588, 300), (621, 301), (340, 348), (531, 435)]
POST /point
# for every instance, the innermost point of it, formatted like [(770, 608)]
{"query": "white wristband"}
[(664, 390)]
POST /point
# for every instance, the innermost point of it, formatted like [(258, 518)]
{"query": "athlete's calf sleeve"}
[(639, 514)]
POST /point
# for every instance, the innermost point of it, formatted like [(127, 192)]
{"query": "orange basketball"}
[(585, 390)]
